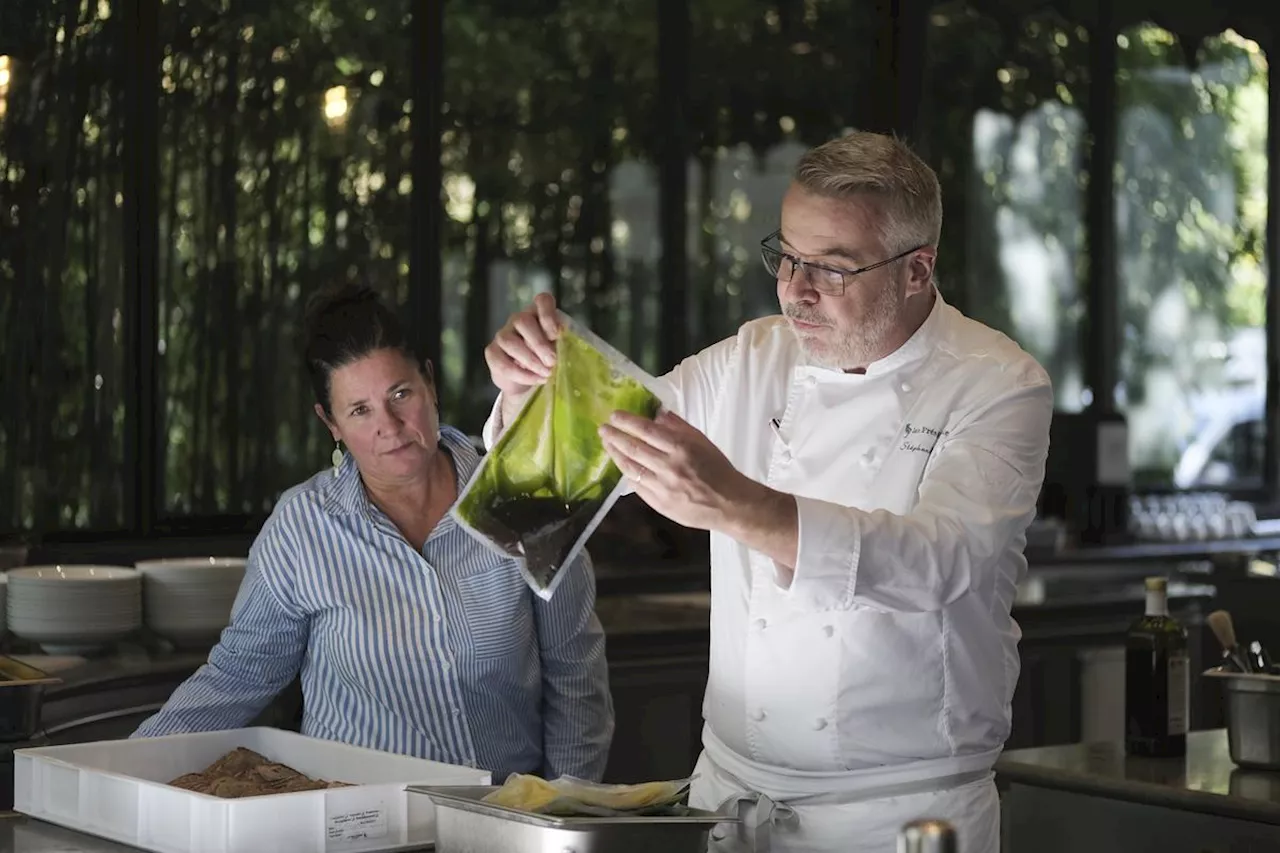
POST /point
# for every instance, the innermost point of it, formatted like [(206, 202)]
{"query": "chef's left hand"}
[(674, 468)]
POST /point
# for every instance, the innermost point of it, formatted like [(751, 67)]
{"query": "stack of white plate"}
[(188, 600), (74, 609)]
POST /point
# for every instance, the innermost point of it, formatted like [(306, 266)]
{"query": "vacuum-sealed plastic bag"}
[(548, 481), (570, 797)]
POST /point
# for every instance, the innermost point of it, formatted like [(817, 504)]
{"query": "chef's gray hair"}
[(873, 166)]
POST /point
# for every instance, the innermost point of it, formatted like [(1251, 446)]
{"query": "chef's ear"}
[(919, 270)]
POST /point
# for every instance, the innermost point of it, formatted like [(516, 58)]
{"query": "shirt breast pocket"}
[(498, 612)]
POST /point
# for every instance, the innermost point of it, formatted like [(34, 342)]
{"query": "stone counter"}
[(20, 834), (1095, 797)]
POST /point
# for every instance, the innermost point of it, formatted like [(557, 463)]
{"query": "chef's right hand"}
[(521, 355)]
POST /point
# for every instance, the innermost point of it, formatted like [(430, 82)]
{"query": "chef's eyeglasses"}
[(830, 281)]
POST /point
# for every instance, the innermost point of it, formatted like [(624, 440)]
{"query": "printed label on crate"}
[(358, 825)]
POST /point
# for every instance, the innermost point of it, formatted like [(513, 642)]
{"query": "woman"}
[(410, 636)]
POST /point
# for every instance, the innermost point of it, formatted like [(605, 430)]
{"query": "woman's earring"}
[(336, 458)]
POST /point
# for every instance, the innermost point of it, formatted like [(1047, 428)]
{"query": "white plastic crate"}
[(117, 790)]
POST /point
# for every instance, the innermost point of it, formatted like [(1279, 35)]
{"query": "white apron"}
[(845, 821)]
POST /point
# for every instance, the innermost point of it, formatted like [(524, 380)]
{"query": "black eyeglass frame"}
[(767, 251)]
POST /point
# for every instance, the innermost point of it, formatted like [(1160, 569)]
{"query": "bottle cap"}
[(1157, 584)]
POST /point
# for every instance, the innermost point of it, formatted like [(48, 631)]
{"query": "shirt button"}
[(761, 624), (828, 631), (786, 455), (906, 386), (758, 716), (811, 381), (819, 724)]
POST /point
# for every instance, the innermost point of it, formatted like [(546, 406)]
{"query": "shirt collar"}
[(916, 347), (346, 494)]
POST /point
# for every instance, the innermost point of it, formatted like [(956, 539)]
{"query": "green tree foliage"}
[(285, 151)]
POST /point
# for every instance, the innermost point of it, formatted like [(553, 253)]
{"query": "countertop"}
[(660, 617), (1153, 551), (1205, 780), (21, 834), (1041, 591)]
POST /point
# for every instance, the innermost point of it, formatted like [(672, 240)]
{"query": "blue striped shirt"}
[(444, 654)]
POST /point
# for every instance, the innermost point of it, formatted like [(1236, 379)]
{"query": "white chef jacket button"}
[(761, 624), (906, 386), (757, 715), (811, 381), (819, 724), (828, 631), (786, 455)]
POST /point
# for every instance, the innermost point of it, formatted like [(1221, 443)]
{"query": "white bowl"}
[(74, 573), (189, 600), (74, 609), (183, 568)]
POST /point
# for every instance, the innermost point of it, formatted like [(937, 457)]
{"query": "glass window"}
[(1003, 123), (61, 267), (548, 178), (767, 83), (1191, 209), (285, 162)]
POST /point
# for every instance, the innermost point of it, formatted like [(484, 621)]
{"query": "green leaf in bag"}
[(548, 476)]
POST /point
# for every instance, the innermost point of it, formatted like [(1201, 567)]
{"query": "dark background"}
[(177, 177)]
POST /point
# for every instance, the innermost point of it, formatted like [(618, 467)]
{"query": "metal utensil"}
[(1253, 717), (927, 836), (1258, 658), (1224, 629)]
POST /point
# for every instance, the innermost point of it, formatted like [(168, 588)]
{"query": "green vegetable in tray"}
[(546, 481)]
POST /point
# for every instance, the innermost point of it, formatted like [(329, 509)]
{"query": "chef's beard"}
[(857, 347)]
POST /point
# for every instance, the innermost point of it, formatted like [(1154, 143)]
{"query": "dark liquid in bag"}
[(544, 530)]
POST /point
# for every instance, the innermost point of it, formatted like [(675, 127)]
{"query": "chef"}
[(867, 464)]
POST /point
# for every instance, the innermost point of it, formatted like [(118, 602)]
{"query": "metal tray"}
[(21, 698), (464, 824)]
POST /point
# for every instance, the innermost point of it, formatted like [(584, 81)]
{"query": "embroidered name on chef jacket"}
[(922, 439)]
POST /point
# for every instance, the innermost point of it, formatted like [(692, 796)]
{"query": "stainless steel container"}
[(1253, 717), (21, 698), (464, 824)]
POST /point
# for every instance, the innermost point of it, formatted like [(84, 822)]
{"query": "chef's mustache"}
[(804, 315)]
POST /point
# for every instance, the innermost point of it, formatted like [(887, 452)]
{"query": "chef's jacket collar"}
[(916, 347)]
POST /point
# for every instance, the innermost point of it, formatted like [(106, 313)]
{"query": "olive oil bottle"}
[(1156, 680)]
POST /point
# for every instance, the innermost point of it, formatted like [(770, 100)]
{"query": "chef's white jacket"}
[(890, 656)]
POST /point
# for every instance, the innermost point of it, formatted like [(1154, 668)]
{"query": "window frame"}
[(903, 25)]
